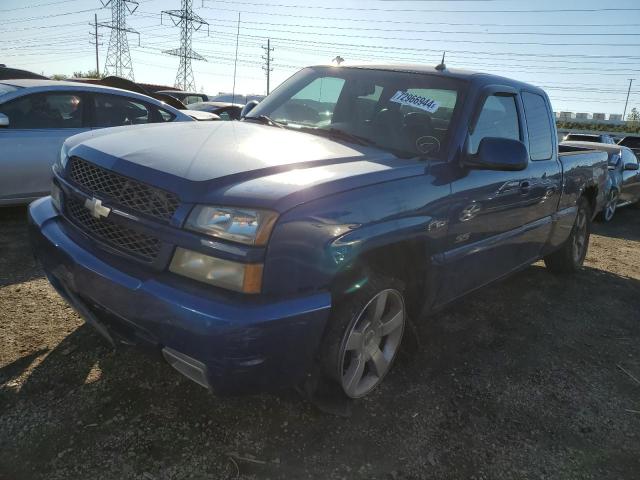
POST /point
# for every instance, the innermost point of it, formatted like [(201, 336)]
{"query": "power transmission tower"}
[(96, 42), (118, 57), (267, 60), (188, 23)]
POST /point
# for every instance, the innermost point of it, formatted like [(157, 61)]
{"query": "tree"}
[(634, 116), (89, 74)]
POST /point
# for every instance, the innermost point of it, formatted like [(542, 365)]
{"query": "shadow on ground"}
[(625, 225), (524, 379), (16, 261)]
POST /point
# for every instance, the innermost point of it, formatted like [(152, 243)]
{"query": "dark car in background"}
[(632, 142), (623, 187), (225, 110), (589, 137), (185, 97), (237, 98)]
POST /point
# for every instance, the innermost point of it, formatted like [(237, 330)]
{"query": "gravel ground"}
[(523, 380)]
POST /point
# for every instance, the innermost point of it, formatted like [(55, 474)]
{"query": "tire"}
[(364, 335), (570, 257), (610, 207)]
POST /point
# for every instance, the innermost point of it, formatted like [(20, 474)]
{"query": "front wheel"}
[(364, 336), (571, 255)]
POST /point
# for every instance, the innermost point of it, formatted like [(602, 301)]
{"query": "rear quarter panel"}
[(582, 171)]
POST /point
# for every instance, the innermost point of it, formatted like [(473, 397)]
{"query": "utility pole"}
[(267, 59), (624, 114), (235, 62), (188, 23), (118, 60), (96, 42)]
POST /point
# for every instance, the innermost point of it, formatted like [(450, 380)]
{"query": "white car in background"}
[(37, 116)]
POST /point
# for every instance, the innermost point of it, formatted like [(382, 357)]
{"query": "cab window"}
[(538, 126), (498, 118)]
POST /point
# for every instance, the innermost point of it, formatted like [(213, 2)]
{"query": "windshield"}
[(4, 89), (407, 113)]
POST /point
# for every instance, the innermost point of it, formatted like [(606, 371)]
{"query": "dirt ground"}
[(523, 380)]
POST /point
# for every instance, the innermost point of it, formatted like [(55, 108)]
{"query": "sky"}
[(583, 52)]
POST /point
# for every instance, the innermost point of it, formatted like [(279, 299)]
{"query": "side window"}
[(498, 118), (192, 99), (114, 111), (165, 116), (45, 110), (538, 126), (629, 157), (314, 104)]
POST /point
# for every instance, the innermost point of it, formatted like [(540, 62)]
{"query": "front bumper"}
[(240, 345)]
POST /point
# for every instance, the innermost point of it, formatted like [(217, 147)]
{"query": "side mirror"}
[(4, 120), (499, 154), (631, 166), (250, 105)]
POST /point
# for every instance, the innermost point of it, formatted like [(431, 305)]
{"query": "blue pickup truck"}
[(296, 243)]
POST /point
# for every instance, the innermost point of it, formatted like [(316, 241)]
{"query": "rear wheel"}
[(571, 255), (364, 336), (610, 208)]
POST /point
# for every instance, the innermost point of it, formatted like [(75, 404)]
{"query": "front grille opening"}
[(137, 196), (140, 245)]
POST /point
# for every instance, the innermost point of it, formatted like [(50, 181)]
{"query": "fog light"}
[(241, 277), (56, 196)]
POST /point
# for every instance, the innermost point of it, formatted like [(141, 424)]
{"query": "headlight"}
[(64, 156), (56, 195), (241, 277), (248, 226)]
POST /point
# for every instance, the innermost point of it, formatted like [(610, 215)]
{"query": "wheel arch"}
[(407, 261)]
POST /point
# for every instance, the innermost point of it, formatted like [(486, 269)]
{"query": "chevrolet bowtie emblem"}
[(96, 208)]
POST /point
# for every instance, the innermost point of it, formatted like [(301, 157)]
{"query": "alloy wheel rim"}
[(372, 343), (611, 206), (580, 236)]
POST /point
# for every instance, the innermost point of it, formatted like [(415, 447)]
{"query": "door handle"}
[(524, 187)]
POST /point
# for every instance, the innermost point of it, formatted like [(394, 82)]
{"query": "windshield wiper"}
[(341, 135), (266, 120)]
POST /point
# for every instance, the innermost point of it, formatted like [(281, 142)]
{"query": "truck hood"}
[(243, 162)]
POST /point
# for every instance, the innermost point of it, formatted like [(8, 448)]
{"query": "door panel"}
[(500, 220), (38, 125), (26, 159)]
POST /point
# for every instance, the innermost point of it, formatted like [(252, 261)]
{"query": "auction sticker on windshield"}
[(417, 101)]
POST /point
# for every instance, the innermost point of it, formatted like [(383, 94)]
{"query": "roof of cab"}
[(33, 83), (477, 78)]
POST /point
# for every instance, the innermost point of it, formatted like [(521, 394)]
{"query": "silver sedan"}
[(37, 116)]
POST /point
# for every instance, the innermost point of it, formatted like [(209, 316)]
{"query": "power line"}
[(429, 10), (406, 30), (410, 22), (44, 17), (420, 39), (36, 6)]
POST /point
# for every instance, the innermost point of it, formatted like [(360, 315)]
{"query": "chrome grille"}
[(130, 193), (121, 238)]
